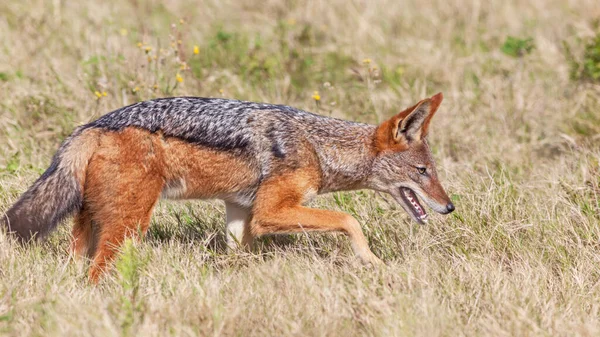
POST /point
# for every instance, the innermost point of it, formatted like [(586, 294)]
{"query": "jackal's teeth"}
[(411, 199)]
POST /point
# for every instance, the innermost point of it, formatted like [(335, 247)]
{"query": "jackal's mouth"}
[(412, 202)]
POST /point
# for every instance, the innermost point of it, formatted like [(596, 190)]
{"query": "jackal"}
[(265, 161)]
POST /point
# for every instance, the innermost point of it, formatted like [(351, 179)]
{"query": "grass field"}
[(516, 140)]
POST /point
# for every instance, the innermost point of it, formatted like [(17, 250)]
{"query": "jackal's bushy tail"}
[(55, 195)]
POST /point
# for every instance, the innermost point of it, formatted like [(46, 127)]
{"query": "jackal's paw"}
[(369, 258)]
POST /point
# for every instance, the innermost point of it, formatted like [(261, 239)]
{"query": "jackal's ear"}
[(409, 125), (415, 125)]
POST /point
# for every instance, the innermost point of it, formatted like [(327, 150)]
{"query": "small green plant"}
[(587, 67), (517, 47), (12, 164)]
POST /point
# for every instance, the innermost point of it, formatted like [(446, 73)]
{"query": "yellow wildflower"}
[(136, 89), (181, 21), (148, 49), (196, 50), (98, 94), (123, 31), (221, 91), (104, 94), (316, 96), (367, 61), (179, 78), (139, 44)]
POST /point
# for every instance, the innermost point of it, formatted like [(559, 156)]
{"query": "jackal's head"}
[(404, 166)]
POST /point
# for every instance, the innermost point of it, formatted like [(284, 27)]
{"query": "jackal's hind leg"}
[(127, 220), (238, 227), (122, 218), (122, 186)]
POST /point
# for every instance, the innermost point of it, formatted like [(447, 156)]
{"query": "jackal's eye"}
[(422, 170)]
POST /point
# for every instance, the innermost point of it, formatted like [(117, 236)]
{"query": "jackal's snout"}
[(433, 195), (437, 195)]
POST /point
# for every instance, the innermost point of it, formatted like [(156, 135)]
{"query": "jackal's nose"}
[(450, 207)]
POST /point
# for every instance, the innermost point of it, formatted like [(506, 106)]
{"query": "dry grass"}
[(516, 141)]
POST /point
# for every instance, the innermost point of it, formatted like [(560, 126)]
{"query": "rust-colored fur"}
[(125, 177)]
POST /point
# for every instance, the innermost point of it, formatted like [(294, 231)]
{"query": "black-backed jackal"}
[(265, 161)]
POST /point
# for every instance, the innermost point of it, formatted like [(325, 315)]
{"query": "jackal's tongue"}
[(413, 201)]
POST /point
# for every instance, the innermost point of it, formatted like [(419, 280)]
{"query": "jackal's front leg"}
[(278, 210), (237, 231), (303, 219)]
